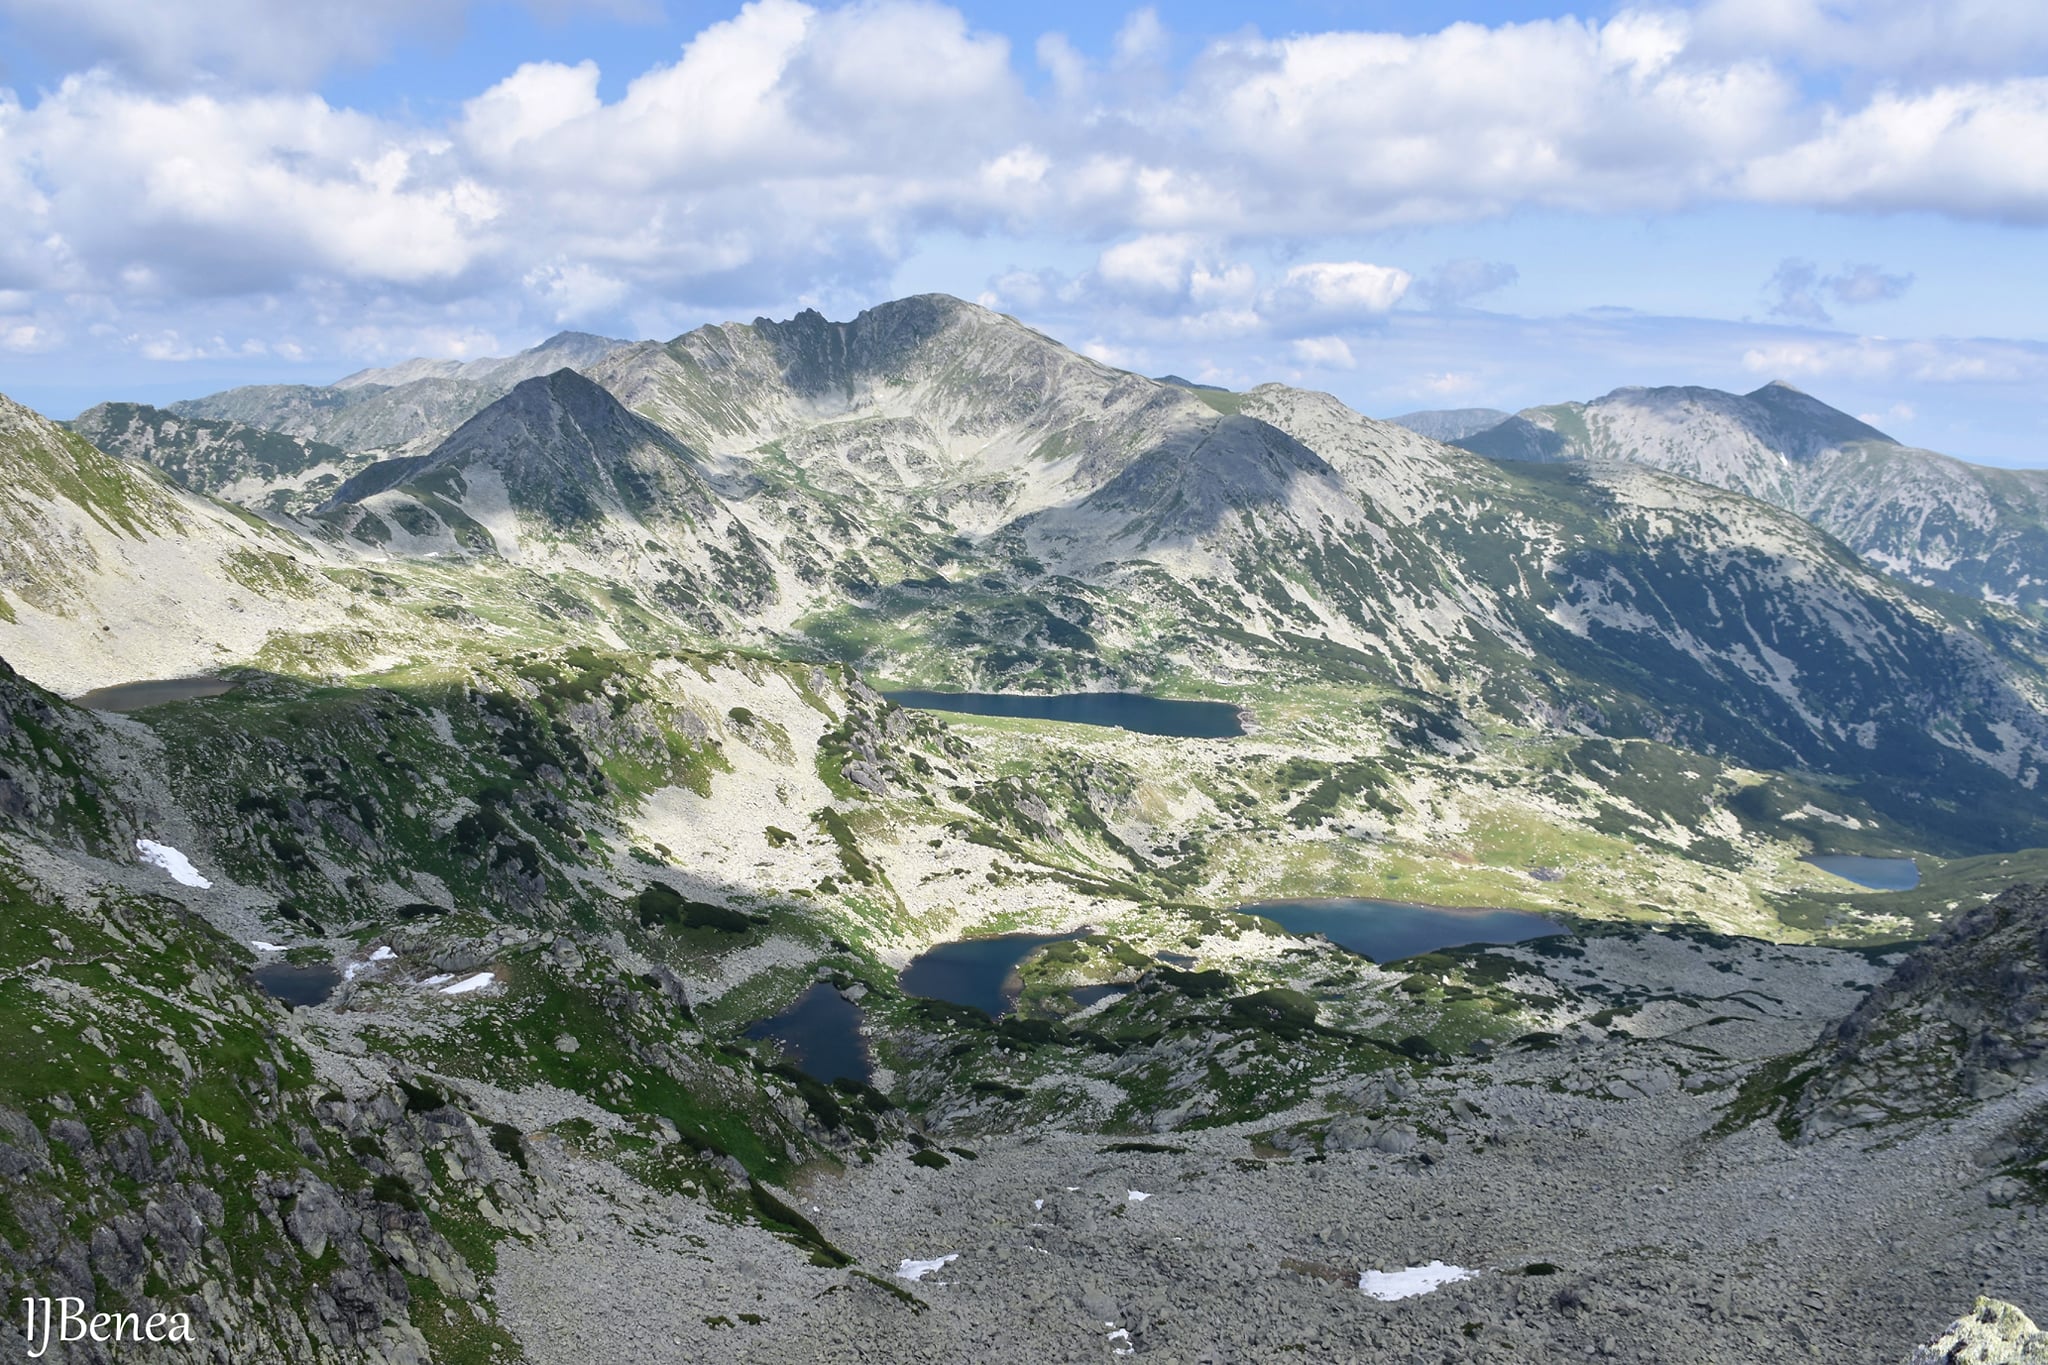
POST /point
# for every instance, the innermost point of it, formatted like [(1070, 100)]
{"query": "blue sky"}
[(1407, 205)]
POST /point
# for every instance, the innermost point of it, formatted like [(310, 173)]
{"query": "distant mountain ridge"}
[(934, 491), (1098, 524), (1449, 424), (405, 408), (232, 460), (564, 349), (1926, 517)]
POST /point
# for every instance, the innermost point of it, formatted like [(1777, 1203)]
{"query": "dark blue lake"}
[(1387, 931), (297, 985), (820, 1032), (155, 692), (1873, 874), (981, 972), (1118, 710)]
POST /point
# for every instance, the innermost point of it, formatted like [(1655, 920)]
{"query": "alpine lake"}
[(820, 1031)]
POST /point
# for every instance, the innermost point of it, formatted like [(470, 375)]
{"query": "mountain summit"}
[(1926, 517), (558, 473)]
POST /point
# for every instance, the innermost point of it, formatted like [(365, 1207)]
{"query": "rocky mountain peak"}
[(1807, 424), (563, 446), (560, 400), (818, 355)]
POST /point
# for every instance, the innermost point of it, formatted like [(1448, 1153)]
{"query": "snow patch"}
[(1135, 1196), (471, 983), (917, 1270), (437, 978), (170, 860), (1809, 811), (1416, 1279), (382, 954)]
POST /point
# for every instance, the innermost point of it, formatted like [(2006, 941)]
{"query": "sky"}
[(1409, 205)]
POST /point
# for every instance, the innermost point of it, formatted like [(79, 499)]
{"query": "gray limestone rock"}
[(1992, 1333)]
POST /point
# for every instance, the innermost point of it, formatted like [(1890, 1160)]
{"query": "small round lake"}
[(1872, 874), (154, 692), (1387, 931), (297, 985), (820, 1032), (981, 972), (1117, 710)]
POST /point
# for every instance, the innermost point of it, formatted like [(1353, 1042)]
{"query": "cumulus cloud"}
[(1322, 293), (1324, 353), (1977, 151), (1180, 285), (793, 148), (220, 195), (1382, 129)]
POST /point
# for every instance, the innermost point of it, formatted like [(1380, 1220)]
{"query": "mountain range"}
[(465, 941), (936, 493), (1926, 517), (400, 408)]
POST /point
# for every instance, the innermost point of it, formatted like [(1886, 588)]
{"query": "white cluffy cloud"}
[(1337, 291), (140, 195), (793, 148), (1180, 284)]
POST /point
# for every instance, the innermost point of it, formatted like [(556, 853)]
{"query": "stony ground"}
[(1583, 1182)]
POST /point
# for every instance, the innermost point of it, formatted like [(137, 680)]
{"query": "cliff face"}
[(1963, 1020), (1965, 1017)]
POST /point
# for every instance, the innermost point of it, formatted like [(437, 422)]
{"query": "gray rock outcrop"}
[(1991, 1333)]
